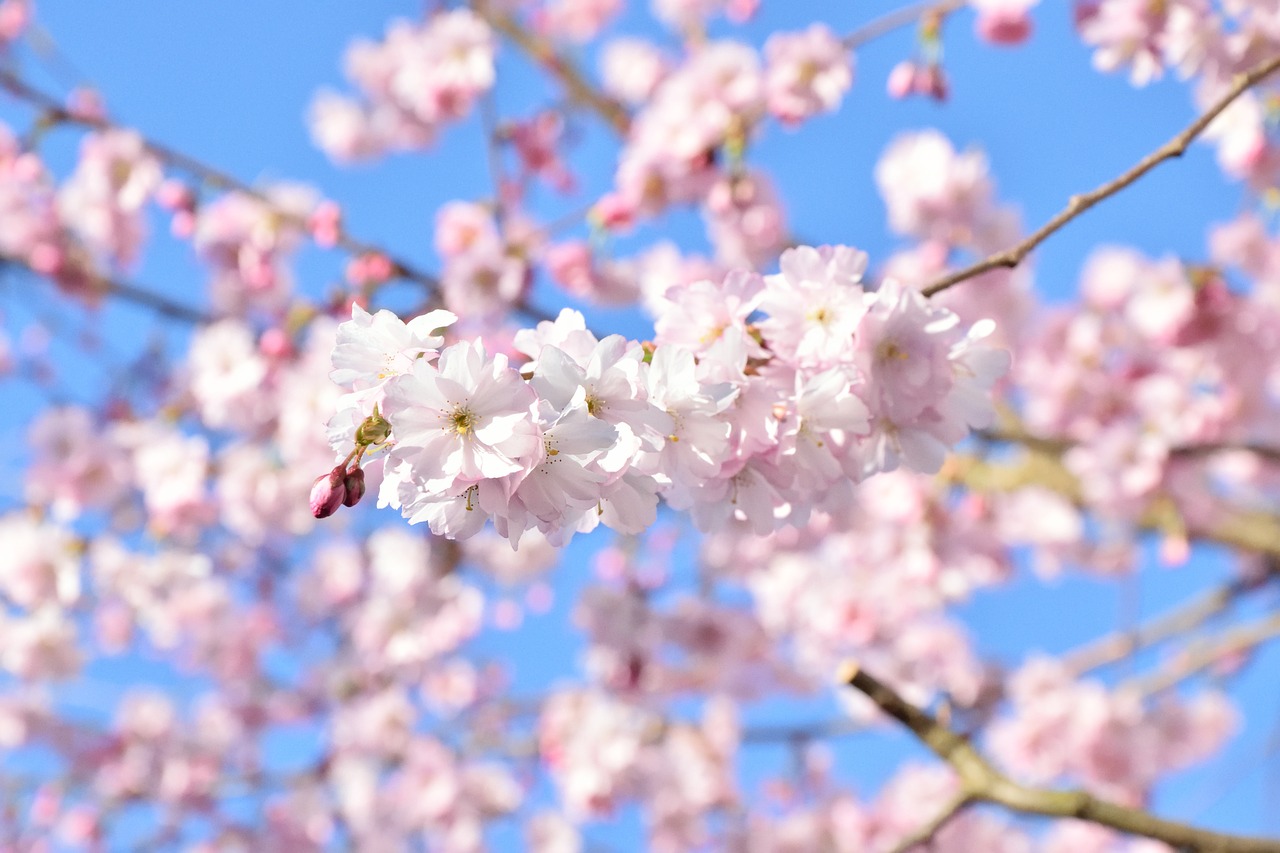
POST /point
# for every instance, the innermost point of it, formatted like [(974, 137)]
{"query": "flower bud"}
[(374, 430), (328, 492), (354, 485)]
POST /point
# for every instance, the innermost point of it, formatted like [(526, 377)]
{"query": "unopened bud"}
[(354, 485), (328, 492), (374, 430)]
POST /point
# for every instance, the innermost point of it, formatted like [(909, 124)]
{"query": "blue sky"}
[(230, 82)]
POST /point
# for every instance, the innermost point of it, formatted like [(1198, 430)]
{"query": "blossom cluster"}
[(761, 399), (418, 78), (709, 105)]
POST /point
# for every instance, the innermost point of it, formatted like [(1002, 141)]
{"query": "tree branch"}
[(1204, 655), (1121, 644), (897, 19), (55, 112), (1175, 147), (130, 292), (1244, 529), (1013, 433), (981, 782), (544, 53)]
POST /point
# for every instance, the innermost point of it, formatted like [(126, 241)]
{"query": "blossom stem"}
[(1078, 204)]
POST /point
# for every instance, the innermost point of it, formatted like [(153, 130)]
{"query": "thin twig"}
[(544, 53), (842, 727), (129, 292), (981, 782), (1205, 655), (1175, 147), (1120, 645), (926, 833), (1183, 619), (898, 19), (1014, 434), (54, 111)]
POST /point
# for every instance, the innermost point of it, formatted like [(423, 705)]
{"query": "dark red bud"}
[(354, 485), (328, 492)]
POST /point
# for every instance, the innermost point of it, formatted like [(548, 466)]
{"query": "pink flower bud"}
[(613, 212), (570, 266), (933, 82), (354, 486), (175, 195), (328, 492), (902, 80), (14, 17), (183, 224), (46, 259), (1004, 29), (275, 343), (325, 224), (87, 104)]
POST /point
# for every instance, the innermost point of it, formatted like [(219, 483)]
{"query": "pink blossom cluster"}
[(602, 751), (822, 591), (486, 269), (731, 418), (34, 234), (1189, 355), (705, 110), (102, 202), (1210, 42), (1110, 740), (247, 242), (419, 78), (576, 20)]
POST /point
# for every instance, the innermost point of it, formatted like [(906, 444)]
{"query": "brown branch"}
[(981, 782), (898, 19), (54, 112), (128, 292), (1121, 644), (1196, 451), (1013, 433), (1078, 204), (147, 298), (1247, 530), (544, 53)]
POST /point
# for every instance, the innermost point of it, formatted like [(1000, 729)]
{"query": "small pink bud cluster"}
[(340, 487), (913, 78), (344, 485)]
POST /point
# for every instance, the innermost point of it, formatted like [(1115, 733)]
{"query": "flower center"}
[(821, 316), (890, 351), (464, 422)]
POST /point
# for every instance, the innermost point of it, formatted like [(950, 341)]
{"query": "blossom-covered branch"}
[(53, 111), (547, 55), (982, 782), (1078, 204), (731, 418), (104, 285)]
